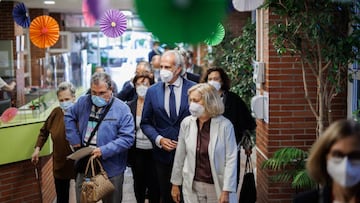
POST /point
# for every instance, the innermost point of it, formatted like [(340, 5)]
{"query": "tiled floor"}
[(128, 192)]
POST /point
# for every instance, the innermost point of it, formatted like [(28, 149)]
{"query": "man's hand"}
[(96, 152), (175, 193), (168, 144)]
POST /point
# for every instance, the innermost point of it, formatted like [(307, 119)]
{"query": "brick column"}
[(291, 122)]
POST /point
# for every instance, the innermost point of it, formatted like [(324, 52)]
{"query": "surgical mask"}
[(196, 109), (215, 84), (66, 104), (343, 171), (141, 90), (98, 101), (166, 75)]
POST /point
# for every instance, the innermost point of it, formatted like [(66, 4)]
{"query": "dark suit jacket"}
[(314, 196), (155, 121), (238, 113), (127, 93), (193, 77)]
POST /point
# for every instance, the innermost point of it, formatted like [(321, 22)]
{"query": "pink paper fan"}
[(8, 114), (89, 19), (113, 23)]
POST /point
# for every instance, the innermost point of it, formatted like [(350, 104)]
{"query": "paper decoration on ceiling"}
[(247, 5), (89, 19), (97, 7), (113, 23), (8, 114), (189, 21), (216, 37), (44, 31), (21, 15)]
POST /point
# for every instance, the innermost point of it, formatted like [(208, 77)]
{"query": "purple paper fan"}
[(113, 23), (21, 15)]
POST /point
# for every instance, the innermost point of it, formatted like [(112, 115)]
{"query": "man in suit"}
[(165, 106), (191, 67)]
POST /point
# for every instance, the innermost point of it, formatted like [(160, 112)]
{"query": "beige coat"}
[(222, 154)]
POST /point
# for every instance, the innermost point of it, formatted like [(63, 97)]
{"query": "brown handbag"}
[(95, 186)]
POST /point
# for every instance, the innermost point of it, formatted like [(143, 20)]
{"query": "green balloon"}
[(188, 21)]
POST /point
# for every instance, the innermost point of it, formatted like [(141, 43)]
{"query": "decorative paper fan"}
[(8, 114), (21, 15), (44, 31), (189, 21), (216, 37), (97, 7), (94, 8), (88, 17), (113, 23)]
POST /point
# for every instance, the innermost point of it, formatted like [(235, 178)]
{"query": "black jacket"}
[(238, 113), (322, 195)]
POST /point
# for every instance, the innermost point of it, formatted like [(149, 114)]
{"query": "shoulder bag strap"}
[(98, 124)]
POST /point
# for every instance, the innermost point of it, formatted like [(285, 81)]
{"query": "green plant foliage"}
[(290, 163), (235, 55)]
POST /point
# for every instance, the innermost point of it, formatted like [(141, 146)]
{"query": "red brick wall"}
[(291, 122), (235, 21), (18, 182)]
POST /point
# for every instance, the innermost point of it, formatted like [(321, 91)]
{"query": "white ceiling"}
[(74, 6)]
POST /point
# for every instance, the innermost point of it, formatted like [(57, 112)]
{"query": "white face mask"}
[(196, 109), (343, 171), (215, 84), (141, 90), (166, 75)]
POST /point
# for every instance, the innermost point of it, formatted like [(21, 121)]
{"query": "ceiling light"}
[(49, 2)]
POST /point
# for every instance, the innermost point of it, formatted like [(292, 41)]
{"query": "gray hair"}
[(179, 60), (101, 77), (145, 64), (213, 103), (66, 86)]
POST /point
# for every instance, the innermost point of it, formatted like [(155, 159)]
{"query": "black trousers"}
[(62, 190), (144, 175), (164, 174)]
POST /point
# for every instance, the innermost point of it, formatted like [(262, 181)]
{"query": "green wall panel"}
[(17, 142)]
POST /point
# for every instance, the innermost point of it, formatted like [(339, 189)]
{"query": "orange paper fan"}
[(44, 31)]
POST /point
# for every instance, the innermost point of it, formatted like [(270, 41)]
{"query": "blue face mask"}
[(66, 104), (98, 101)]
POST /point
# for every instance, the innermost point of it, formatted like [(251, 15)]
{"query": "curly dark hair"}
[(144, 76), (224, 77)]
